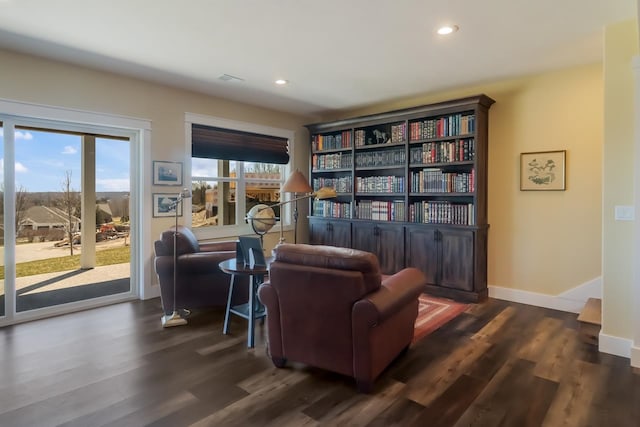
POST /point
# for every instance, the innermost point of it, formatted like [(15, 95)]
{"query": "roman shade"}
[(216, 143)]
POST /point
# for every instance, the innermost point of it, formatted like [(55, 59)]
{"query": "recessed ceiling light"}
[(447, 29), (281, 82)]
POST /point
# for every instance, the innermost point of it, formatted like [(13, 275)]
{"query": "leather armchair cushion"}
[(330, 257)]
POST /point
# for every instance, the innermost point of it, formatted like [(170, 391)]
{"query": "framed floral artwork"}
[(543, 170)]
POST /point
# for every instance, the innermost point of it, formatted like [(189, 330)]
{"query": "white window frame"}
[(241, 227), (138, 131)]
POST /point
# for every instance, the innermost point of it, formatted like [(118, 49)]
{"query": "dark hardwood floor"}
[(498, 364)]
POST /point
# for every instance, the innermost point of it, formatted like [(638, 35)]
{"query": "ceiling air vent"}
[(230, 78)]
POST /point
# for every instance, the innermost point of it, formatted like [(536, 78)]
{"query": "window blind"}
[(216, 143)]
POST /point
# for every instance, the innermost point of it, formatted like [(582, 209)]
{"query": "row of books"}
[(359, 137), (381, 158), (378, 210), (331, 142), (341, 185), (330, 209), (455, 124), (442, 212), (432, 180), (332, 161), (380, 184), (444, 152), (399, 133)]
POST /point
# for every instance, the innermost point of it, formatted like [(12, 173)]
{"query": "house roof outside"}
[(46, 215), (104, 207)]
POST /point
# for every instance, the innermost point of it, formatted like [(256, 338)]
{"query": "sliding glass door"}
[(66, 200)]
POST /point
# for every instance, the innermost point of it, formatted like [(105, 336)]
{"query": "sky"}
[(42, 159)]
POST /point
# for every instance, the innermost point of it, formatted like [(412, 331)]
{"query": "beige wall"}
[(621, 44), (543, 242), (550, 241), (34, 80)]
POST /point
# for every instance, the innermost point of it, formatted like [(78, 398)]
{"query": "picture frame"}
[(162, 205), (167, 173), (543, 171)]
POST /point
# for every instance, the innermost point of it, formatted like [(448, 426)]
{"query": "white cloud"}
[(18, 135), (69, 150), (116, 184), (204, 167), (27, 136), (20, 168)]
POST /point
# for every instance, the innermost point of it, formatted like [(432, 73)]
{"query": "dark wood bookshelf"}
[(452, 255)]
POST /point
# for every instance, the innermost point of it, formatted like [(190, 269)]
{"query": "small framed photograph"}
[(543, 170), (167, 173), (165, 205)]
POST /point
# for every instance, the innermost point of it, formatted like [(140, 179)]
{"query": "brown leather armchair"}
[(200, 283), (330, 308)]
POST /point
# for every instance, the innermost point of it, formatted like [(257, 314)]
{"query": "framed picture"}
[(543, 170), (167, 173), (164, 205)]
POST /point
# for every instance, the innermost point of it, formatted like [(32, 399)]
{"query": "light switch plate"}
[(624, 213)]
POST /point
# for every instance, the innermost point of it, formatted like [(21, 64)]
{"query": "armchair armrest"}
[(395, 293), (229, 245), (203, 262)]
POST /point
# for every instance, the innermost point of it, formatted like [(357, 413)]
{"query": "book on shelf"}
[(380, 210), (396, 157), (380, 184), (451, 125), (442, 212), (331, 209), (332, 161), (331, 141), (434, 180), (342, 184)]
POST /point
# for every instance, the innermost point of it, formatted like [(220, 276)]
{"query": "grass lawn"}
[(51, 265)]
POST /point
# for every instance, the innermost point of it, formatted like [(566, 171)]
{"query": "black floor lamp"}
[(174, 319)]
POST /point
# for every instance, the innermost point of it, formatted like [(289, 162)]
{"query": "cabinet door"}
[(422, 251), (363, 238), (318, 232), (389, 247), (340, 233), (386, 241), (457, 259)]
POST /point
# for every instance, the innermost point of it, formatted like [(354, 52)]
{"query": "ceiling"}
[(336, 54)]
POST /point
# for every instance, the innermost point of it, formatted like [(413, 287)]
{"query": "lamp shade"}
[(325, 193), (296, 183)]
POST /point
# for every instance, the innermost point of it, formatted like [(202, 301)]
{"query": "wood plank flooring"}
[(498, 364)]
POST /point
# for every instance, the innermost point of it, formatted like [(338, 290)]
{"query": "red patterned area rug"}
[(433, 313)]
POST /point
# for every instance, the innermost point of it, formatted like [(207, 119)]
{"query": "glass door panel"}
[(56, 173)]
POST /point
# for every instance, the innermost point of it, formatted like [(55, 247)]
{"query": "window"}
[(234, 166), (225, 190)]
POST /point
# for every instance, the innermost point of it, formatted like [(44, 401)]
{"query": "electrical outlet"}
[(624, 213)]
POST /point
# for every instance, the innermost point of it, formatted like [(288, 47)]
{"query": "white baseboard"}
[(571, 301), (615, 345)]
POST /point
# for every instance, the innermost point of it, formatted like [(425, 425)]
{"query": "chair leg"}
[(225, 328)]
